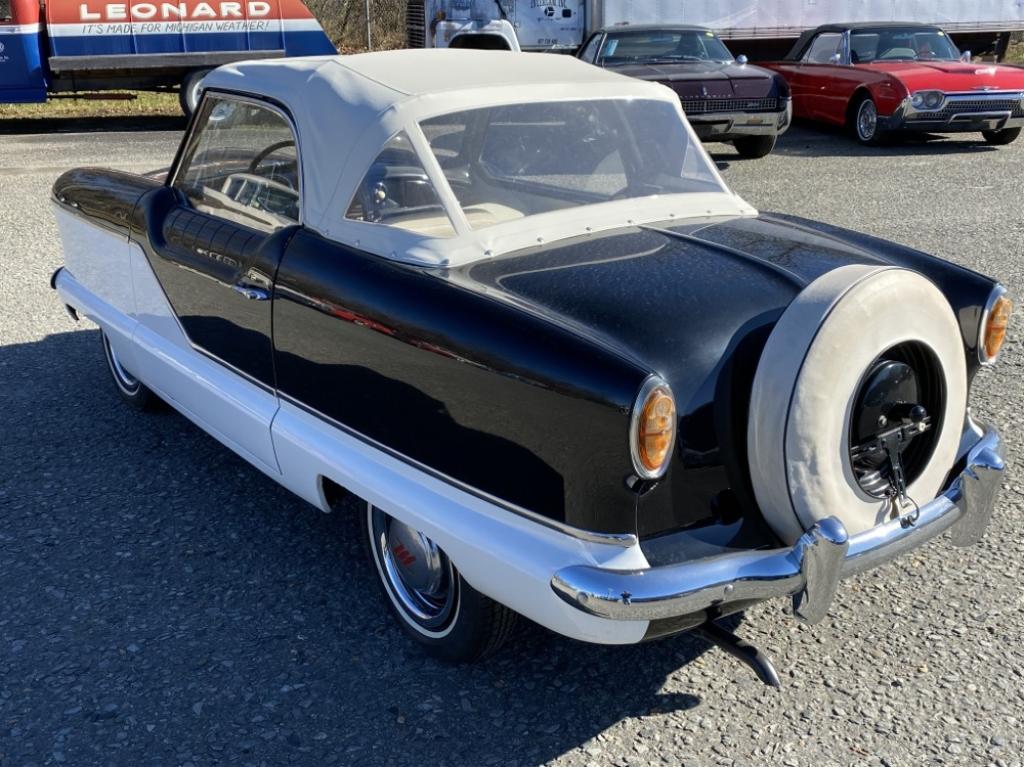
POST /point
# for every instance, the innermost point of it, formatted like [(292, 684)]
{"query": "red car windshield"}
[(896, 44)]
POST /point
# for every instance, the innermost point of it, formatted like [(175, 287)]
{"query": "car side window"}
[(589, 52), (396, 191), (241, 165), (824, 47)]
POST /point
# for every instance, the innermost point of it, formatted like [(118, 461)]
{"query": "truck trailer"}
[(760, 29), (55, 46)]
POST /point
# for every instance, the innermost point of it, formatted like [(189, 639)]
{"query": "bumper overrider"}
[(809, 571), (717, 125)]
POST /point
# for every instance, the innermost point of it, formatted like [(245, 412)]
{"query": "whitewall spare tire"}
[(809, 391)]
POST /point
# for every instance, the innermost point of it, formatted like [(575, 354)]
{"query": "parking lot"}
[(163, 603)]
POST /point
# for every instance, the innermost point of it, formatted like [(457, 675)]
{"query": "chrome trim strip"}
[(624, 540), (997, 292), (809, 570)]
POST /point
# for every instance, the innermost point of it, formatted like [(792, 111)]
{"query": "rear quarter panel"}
[(475, 389)]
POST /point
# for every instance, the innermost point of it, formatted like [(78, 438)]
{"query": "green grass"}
[(106, 104)]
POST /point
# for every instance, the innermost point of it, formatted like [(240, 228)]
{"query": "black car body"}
[(725, 99), (546, 387)]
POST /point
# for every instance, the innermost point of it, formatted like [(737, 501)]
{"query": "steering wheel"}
[(265, 153)]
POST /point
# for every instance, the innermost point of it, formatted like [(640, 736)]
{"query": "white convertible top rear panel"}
[(346, 108)]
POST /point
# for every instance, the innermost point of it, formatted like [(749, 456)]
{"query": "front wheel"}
[(131, 389), (755, 147), (1001, 137), (865, 123), (434, 605)]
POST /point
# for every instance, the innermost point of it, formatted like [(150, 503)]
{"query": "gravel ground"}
[(162, 603)]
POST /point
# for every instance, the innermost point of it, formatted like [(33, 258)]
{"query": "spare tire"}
[(812, 376)]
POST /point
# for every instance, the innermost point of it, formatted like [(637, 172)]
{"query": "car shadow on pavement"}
[(181, 606), (114, 123)]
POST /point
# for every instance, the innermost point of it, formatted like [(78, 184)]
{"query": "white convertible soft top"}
[(346, 108)]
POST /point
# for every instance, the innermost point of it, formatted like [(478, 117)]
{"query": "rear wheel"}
[(754, 147), (865, 123), (131, 389), (434, 605), (1001, 137)]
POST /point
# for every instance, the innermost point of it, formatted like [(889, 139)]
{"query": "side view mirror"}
[(742, 60), (835, 58), (965, 57)]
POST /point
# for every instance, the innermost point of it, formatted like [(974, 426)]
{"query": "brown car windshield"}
[(662, 46), (898, 44)]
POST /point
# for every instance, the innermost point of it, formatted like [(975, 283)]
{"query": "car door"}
[(812, 77), (218, 230), (206, 249)]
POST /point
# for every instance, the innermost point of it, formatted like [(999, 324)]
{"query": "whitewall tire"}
[(807, 383), (433, 603), (130, 388)]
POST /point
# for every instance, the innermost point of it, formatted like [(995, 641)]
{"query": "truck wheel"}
[(434, 605), (1001, 137), (865, 122), (190, 92), (754, 147), (131, 389), (860, 352)]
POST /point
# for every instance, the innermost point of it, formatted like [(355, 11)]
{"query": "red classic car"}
[(878, 79)]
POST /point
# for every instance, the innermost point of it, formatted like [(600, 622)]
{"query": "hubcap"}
[(867, 120), (416, 572), (124, 379)]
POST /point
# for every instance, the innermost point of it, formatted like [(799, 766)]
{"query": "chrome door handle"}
[(253, 294)]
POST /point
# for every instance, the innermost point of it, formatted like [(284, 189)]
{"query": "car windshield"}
[(662, 46), (898, 44), (508, 162)]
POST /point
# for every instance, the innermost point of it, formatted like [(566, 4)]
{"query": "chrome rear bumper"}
[(809, 571)]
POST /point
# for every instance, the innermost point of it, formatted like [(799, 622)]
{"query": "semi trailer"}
[(56, 46), (760, 29)]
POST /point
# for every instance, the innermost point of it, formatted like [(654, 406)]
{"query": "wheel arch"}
[(862, 92)]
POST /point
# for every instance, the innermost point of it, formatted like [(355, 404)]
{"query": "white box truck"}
[(761, 29)]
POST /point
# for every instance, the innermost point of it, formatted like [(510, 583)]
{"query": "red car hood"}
[(950, 76)]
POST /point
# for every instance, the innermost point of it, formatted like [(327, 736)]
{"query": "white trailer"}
[(765, 25)]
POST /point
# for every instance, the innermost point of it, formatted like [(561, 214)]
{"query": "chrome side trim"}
[(625, 540), (810, 570)]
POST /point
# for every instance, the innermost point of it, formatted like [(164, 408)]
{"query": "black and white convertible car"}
[(509, 302)]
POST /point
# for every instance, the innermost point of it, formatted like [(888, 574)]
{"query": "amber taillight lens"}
[(654, 429), (994, 332)]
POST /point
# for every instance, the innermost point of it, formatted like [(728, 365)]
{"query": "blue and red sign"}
[(102, 27)]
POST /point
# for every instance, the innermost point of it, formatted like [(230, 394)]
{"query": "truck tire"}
[(812, 395), (191, 91)]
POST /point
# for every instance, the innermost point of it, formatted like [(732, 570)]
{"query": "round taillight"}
[(653, 429), (993, 331)]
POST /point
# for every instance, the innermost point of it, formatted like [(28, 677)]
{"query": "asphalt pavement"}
[(162, 603)]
